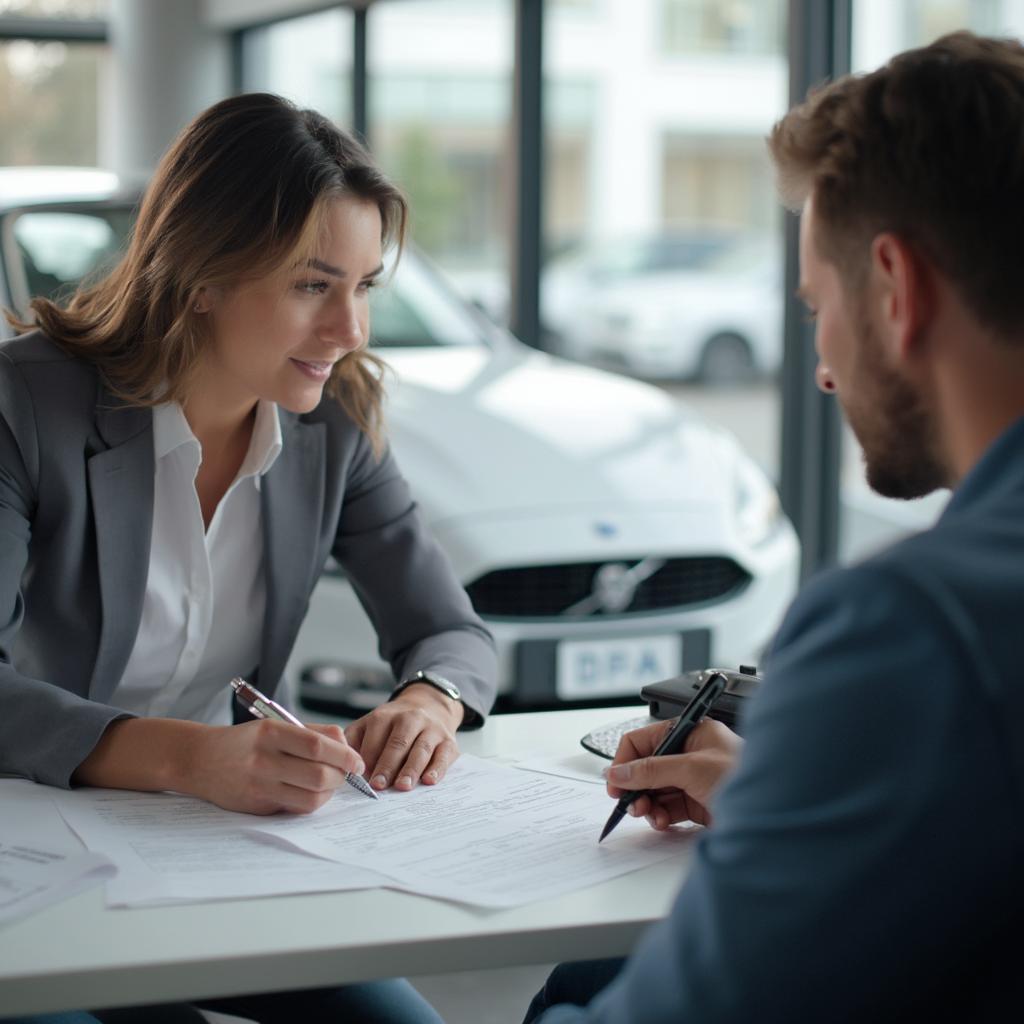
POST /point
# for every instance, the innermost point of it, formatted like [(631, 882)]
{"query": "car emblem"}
[(605, 529), (615, 586)]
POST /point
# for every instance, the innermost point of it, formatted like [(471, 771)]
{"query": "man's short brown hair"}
[(930, 147)]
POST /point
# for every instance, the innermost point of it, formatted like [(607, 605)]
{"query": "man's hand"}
[(410, 739), (682, 785)]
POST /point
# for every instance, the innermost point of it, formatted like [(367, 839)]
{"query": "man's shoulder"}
[(943, 601), (953, 556)]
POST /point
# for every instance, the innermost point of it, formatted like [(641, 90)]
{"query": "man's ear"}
[(902, 291)]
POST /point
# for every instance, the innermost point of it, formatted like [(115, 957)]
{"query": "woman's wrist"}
[(148, 754), (427, 697)]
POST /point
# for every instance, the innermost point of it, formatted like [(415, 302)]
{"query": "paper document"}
[(489, 835), (582, 766), (40, 861), (171, 848)]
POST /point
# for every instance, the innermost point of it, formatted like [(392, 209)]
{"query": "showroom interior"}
[(589, 176)]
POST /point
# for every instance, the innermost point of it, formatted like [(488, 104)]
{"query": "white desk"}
[(79, 954)]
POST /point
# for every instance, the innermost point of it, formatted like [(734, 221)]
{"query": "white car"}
[(608, 537), (710, 310)]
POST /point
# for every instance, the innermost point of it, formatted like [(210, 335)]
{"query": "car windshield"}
[(54, 249), (57, 248)]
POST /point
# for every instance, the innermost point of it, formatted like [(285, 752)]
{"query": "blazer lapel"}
[(121, 490), (292, 500)]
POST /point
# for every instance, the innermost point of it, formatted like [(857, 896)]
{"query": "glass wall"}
[(306, 59), (439, 119), (662, 229), (49, 90), (49, 102), (882, 28)]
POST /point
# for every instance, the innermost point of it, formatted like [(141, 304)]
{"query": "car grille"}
[(548, 591)]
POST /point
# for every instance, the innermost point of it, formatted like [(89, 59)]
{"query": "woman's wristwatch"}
[(431, 679), (446, 686)]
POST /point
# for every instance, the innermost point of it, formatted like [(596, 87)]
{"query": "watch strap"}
[(448, 688)]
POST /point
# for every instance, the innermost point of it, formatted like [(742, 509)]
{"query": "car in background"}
[(607, 535), (703, 307)]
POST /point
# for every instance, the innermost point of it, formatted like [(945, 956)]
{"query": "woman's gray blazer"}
[(76, 509)]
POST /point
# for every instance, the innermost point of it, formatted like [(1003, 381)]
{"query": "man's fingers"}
[(678, 786), (641, 807), (641, 742), (651, 773)]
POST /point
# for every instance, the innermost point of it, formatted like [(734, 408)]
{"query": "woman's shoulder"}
[(33, 347), (35, 372)]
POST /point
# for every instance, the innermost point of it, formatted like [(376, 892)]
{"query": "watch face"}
[(441, 683)]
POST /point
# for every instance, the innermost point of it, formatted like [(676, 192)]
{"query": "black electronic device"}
[(667, 698)]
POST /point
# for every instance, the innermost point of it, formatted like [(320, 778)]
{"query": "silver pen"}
[(261, 706)]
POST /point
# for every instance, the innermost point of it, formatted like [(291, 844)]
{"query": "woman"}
[(172, 481)]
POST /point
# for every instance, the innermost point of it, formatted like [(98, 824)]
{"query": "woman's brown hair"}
[(241, 192)]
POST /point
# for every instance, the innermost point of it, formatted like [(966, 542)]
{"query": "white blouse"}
[(202, 617)]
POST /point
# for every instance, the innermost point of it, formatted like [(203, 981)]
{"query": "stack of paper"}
[(171, 848), (40, 863)]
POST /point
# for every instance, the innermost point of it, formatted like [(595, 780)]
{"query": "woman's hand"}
[(258, 767), (409, 739), (264, 766), (682, 785)]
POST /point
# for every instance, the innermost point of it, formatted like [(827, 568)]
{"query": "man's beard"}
[(892, 424)]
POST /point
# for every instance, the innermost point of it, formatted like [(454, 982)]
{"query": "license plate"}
[(587, 669)]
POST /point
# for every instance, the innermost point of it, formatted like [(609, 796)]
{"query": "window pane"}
[(49, 102), (711, 26), (74, 9), (881, 29), (662, 227), (307, 60), (440, 100)]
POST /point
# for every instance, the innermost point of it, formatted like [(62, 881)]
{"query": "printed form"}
[(489, 835)]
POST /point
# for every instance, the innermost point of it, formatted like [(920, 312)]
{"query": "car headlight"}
[(756, 502)]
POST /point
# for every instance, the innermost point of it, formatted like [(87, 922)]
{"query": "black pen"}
[(674, 740), (261, 706)]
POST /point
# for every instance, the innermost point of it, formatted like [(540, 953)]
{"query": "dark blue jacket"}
[(866, 861)]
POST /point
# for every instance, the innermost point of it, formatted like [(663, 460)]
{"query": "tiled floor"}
[(483, 997)]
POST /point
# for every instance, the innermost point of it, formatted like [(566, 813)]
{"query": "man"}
[(863, 862)]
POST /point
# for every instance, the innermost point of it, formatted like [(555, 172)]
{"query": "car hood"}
[(506, 434)]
